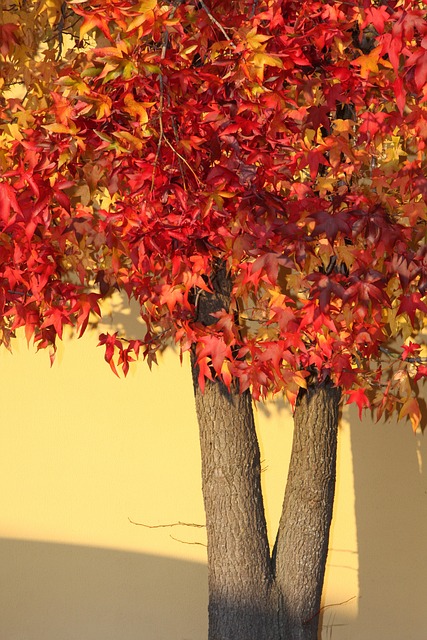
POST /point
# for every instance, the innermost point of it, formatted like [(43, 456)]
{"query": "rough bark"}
[(253, 596), (239, 562), (240, 604), (302, 540)]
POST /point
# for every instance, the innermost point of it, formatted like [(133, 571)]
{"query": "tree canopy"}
[(153, 144)]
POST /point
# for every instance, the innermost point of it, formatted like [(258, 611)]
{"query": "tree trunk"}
[(239, 564), (253, 596), (302, 541), (240, 575)]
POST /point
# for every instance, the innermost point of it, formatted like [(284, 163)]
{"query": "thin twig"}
[(163, 526), (396, 356), (162, 89), (60, 29), (218, 24), (196, 177), (181, 169), (201, 544), (334, 604), (159, 144), (254, 7)]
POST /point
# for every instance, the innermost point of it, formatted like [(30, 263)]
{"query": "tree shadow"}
[(121, 315), (56, 591), (53, 591), (391, 515)]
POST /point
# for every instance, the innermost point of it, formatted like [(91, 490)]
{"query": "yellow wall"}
[(81, 452)]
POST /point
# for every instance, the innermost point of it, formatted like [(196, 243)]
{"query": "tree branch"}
[(218, 24), (164, 526), (201, 544)]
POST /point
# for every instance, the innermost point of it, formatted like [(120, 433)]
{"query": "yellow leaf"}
[(135, 108), (146, 5), (339, 45), (53, 11), (13, 130), (326, 183), (56, 127), (300, 380), (411, 408), (342, 126), (103, 107), (368, 63), (226, 194), (143, 7), (265, 59), (255, 40), (258, 61), (125, 135)]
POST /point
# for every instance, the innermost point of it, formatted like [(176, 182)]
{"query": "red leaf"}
[(359, 397), (400, 91), (111, 342), (420, 76), (215, 348), (410, 304), (8, 202)]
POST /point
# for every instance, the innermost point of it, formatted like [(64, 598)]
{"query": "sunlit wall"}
[(83, 453)]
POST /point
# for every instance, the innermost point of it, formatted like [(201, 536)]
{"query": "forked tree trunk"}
[(252, 595), (302, 541)]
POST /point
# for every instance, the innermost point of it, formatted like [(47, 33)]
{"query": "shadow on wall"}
[(391, 515), (123, 316), (82, 593), (66, 592)]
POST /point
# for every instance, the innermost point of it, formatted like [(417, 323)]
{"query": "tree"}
[(253, 175)]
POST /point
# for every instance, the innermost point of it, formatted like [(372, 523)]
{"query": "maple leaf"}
[(410, 350), (421, 372), (331, 224), (411, 408), (8, 37), (420, 75), (216, 349), (377, 16), (8, 203), (258, 60), (319, 116), (368, 62), (400, 92), (111, 342), (91, 20), (125, 359), (410, 304), (359, 397), (325, 288)]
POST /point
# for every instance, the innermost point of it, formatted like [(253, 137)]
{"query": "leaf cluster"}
[(283, 141)]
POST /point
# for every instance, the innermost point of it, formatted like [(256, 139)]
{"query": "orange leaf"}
[(368, 63), (411, 408)]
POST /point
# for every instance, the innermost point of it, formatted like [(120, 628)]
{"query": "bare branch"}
[(201, 544), (163, 526), (327, 606)]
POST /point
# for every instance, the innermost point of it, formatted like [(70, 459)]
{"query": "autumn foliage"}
[(153, 142)]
